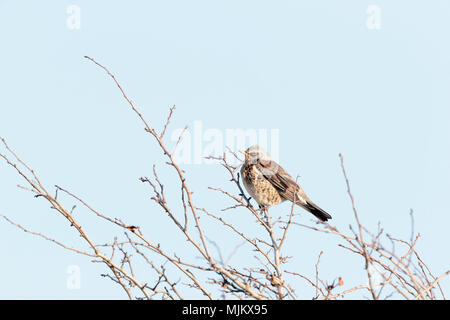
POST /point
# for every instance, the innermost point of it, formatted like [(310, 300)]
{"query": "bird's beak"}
[(244, 153)]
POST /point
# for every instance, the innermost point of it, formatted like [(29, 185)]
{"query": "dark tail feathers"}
[(315, 210)]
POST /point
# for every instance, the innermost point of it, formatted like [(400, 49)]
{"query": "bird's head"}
[(255, 153)]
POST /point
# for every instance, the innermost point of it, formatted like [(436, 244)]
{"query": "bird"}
[(269, 184)]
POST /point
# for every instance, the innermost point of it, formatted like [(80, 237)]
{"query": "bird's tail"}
[(315, 210)]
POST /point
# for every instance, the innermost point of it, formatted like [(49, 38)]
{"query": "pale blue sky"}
[(311, 69)]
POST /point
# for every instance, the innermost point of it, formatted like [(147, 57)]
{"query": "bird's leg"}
[(264, 212)]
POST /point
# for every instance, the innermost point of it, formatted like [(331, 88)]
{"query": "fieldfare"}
[(270, 185)]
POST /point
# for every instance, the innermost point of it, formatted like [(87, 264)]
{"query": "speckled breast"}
[(259, 187)]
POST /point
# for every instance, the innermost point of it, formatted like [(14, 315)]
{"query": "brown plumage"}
[(269, 184)]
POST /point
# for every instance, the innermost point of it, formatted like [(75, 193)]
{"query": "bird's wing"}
[(288, 188), (280, 179)]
